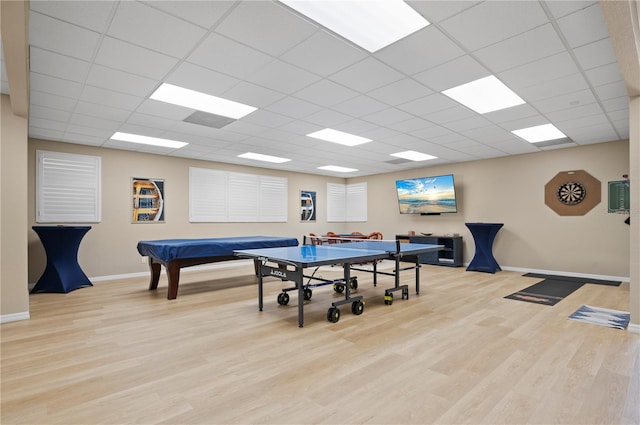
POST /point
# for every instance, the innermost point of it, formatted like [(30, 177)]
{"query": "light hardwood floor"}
[(116, 353)]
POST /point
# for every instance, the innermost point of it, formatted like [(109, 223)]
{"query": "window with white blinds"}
[(347, 203), (222, 196), (67, 188)]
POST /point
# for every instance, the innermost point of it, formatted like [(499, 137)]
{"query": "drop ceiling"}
[(93, 66)]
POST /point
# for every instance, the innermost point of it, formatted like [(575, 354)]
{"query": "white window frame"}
[(347, 202), (68, 188), (217, 196)]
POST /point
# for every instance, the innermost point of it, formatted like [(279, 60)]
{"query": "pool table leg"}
[(154, 268), (173, 275)]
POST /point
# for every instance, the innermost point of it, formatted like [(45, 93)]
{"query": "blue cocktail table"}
[(483, 236), (63, 273)]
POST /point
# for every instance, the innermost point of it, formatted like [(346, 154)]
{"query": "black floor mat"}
[(574, 279), (547, 292)]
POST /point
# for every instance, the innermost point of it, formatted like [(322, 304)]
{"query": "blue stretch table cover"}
[(483, 236), (173, 249), (62, 273)]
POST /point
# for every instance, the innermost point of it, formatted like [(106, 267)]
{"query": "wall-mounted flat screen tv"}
[(427, 195)]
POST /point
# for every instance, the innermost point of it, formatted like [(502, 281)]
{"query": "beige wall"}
[(109, 248), (509, 190), (14, 298)]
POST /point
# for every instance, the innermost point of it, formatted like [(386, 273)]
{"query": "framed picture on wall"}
[(308, 205), (147, 200)]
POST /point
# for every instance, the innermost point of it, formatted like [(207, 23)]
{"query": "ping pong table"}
[(277, 263)]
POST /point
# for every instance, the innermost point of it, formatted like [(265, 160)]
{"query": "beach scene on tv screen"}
[(427, 195)]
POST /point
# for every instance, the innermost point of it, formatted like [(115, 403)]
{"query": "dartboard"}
[(571, 193)]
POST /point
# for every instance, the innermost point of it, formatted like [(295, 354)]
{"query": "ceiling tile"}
[(133, 59), (326, 93), (201, 79), (93, 15), (540, 71), (451, 74), (60, 37), (562, 8), (399, 92), (553, 88), (492, 21), (387, 116), (611, 91), (102, 111), (421, 50), (252, 24), (203, 13), (56, 65), (584, 26), (110, 98), (435, 11), (252, 94), (604, 74), (120, 81), (53, 85), (227, 56), (51, 101), (366, 75), (360, 106), (282, 77), (524, 48), (323, 53), (595, 54), (153, 29), (566, 101)]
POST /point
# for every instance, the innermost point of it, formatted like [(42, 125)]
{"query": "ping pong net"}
[(390, 246)]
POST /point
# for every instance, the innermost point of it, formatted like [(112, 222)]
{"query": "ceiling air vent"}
[(209, 120), (397, 161)]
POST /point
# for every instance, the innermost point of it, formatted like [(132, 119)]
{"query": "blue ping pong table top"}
[(315, 255)]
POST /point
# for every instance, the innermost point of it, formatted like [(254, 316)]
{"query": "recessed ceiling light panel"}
[(539, 133), (371, 24), (337, 169), (201, 101), (261, 157), (145, 140), (340, 137), (485, 95), (414, 156)]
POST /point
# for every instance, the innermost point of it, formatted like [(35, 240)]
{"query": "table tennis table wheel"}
[(353, 283), (405, 294), (338, 287), (308, 293), (333, 314), (388, 298), (283, 298), (357, 307)]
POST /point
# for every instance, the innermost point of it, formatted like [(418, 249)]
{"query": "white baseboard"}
[(14, 317), (633, 328), (569, 274), (212, 266)]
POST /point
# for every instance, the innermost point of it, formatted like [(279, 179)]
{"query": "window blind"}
[(67, 188), (346, 203), (221, 196)]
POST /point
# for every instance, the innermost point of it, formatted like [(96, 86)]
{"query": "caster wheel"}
[(283, 298), (353, 283), (333, 314), (357, 307), (388, 299), (405, 294), (308, 293), (339, 288)]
